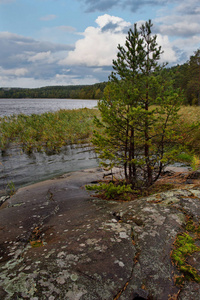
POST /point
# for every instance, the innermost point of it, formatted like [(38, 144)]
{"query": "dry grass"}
[(190, 114), (189, 128)]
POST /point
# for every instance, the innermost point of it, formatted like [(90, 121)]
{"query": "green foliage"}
[(195, 163), (135, 134), (187, 77), (184, 246), (112, 190), (47, 132), (184, 157)]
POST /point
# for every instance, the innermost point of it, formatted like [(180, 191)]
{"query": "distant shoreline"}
[(92, 92)]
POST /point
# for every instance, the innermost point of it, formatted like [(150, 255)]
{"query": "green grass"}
[(48, 132)]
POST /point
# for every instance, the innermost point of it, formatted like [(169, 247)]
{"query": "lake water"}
[(22, 169), (38, 106)]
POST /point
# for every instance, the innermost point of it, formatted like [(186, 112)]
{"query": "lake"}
[(21, 169), (38, 106)]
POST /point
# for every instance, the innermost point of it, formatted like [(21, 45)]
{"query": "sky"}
[(73, 42)]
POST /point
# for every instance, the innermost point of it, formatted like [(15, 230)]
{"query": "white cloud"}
[(40, 56), (99, 46), (58, 79), (182, 20), (14, 72), (169, 54), (181, 24), (178, 26), (106, 19), (188, 7), (62, 79), (188, 45)]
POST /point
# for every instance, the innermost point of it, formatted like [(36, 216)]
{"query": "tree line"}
[(187, 77), (94, 91)]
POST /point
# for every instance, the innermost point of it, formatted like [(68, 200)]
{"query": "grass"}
[(189, 128), (51, 131), (190, 114), (48, 132)]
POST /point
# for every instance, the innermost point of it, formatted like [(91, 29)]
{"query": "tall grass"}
[(47, 132), (50, 131), (189, 128)]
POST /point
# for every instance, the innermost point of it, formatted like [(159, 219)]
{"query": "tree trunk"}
[(132, 167), (146, 147)]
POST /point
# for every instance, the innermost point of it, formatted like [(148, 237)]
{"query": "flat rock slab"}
[(59, 242)]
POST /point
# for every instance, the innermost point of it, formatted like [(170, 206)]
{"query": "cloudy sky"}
[(67, 42)]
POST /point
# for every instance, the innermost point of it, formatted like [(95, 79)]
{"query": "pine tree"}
[(133, 133)]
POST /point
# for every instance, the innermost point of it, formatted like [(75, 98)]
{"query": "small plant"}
[(111, 190), (184, 157), (36, 244), (195, 163), (11, 188)]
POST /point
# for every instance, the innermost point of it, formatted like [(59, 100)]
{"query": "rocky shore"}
[(59, 242)]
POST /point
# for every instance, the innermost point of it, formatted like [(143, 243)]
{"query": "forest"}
[(185, 76), (94, 91)]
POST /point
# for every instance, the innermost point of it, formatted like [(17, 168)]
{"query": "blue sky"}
[(63, 42)]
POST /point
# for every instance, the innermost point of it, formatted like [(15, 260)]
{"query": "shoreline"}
[(170, 169)]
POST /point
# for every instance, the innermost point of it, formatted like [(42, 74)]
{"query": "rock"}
[(90, 248), (3, 199), (194, 175)]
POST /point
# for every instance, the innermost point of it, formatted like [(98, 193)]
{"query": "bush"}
[(111, 190)]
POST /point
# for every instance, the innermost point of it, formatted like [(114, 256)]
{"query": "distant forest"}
[(94, 91), (186, 77)]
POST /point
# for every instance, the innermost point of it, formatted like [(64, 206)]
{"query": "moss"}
[(184, 246), (190, 226)]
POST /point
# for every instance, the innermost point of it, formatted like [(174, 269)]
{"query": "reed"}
[(47, 132), (51, 131)]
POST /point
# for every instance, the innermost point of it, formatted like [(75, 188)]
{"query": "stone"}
[(89, 252)]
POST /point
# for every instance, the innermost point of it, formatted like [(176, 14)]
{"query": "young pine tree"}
[(134, 134)]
